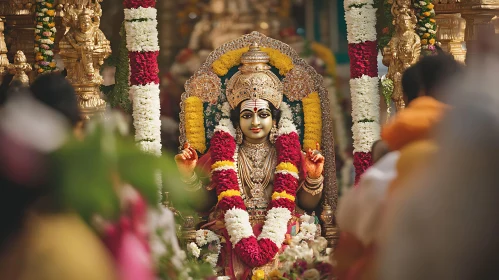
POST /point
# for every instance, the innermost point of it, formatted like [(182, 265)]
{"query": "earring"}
[(273, 134), (239, 136)]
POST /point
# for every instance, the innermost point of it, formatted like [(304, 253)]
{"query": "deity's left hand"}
[(314, 162)]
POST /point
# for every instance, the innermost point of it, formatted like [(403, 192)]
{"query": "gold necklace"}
[(255, 165)]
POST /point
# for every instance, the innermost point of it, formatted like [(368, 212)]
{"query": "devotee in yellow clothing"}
[(55, 246)]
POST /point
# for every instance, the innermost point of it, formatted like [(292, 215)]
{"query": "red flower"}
[(284, 203), (288, 149), (363, 59), (285, 182), (385, 30), (362, 161), (231, 202), (143, 68), (300, 266), (226, 180), (255, 253), (222, 147), (134, 4), (324, 268)]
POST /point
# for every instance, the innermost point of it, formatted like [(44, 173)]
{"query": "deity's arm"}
[(310, 191), (199, 187)]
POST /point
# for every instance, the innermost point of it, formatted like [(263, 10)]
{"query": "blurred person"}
[(40, 243), (441, 224), (408, 135)]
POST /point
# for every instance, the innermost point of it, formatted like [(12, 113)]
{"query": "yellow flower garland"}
[(327, 56), (282, 194), (222, 65), (287, 166), (194, 123), (312, 114), (229, 193)]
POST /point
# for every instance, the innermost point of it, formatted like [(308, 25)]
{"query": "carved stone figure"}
[(19, 68), (402, 51), (83, 50)]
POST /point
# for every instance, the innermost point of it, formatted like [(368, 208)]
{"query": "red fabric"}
[(363, 59), (143, 68)]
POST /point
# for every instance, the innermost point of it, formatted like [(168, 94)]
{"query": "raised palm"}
[(314, 162), (186, 160)]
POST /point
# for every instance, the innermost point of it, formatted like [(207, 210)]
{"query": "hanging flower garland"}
[(426, 27), (360, 17), (251, 250), (143, 50), (206, 240), (44, 36), (224, 63), (194, 123), (312, 115)]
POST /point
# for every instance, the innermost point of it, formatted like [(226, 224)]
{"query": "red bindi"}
[(255, 109)]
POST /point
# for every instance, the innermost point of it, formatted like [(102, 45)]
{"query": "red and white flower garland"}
[(251, 250), (143, 50), (360, 17)]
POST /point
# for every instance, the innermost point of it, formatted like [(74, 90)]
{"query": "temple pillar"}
[(450, 34)]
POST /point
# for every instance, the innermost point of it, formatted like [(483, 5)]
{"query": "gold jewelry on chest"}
[(255, 165)]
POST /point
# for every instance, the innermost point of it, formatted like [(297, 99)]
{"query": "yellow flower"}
[(426, 14), (37, 37), (52, 64), (258, 275), (52, 39), (430, 6), (424, 42), (312, 115), (194, 123), (327, 56), (287, 166), (432, 20), (51, 12), (275, 275), (39, 58), (229, 193), (279, 60), (283, 194), (40, 70), (432, 41), (426, 35), (52, 24), (49, 5)]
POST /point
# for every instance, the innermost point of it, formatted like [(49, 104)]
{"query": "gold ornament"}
[(254, 80), (298, 84), (83, 49), (19, 68), (4, 61), (273, 134), (403, 50), (206, 86), (239, 135)]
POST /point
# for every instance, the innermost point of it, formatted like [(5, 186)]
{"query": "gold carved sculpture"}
[(19, 68), (83, 50), (4, 61), (403, 50), (450, 34)]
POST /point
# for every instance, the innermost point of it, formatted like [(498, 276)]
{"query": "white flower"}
[(427, 25), (49, 52), (140, 13), (431, 31), (223, 278), (142, 36), (45, 10), (365, 98), (193, 249), (237, 225), (226, 125), (45, 19), (37, 31), (361, 24), (422, 28), (37, 49), (226, 110), (349, 3), (422, 3), (364, 136), (212, 259), (276, 225), (201, 238)]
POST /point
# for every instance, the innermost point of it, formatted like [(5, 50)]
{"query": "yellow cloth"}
[(413, 158), (56, 246), (413, 123)]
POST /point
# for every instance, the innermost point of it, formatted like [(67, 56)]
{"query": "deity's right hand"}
[(186, 160)]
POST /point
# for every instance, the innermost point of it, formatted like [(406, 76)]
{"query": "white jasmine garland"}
[(153, 148), (238, 225), (226, 110), (276, 225), (142, 36), (365, 98), (364, 136), (294, 174), (193, 249), (140, 13), (361, 24), (349, 3), (226, 125)]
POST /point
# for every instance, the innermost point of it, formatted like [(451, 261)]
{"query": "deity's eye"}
[(246, 115), (264, 114)]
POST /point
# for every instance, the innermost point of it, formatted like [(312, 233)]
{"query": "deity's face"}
[(255, 120), (19, 58), (85, 23), (407, 23)]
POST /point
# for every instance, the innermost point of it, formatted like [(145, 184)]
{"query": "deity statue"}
[(260, 176), (402, 51), (19, 68), (83, 50)]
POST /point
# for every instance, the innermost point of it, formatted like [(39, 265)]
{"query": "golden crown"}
[(254, 80)]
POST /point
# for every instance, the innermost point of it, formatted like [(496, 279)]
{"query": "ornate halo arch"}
[(208, 84)]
